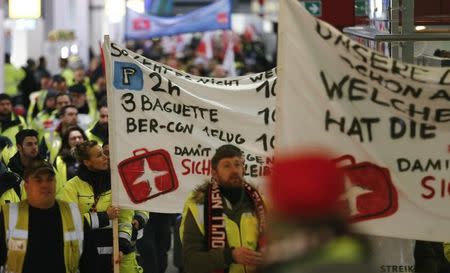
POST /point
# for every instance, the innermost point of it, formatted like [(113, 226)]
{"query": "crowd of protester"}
[(62, 118)]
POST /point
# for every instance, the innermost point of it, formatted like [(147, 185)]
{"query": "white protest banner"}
[(388, 122), (165, 126), (2, 47)]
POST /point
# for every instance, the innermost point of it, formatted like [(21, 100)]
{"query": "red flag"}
[(103, 58), (205, 48)]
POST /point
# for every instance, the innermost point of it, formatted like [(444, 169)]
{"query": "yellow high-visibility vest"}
[(243, 235), (16, 230)]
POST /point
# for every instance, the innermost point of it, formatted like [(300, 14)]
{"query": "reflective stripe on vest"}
[(140, 234), (125, 230), (78, 234), (244, 233), (61, 173), (13, 215), (95, 222), (17, 235), (201, 216), (125, 236), (53, 142), (106, 250)]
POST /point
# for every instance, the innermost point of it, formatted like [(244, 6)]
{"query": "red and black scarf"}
[(215, 219)]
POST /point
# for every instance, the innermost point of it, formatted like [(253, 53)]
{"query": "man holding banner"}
[(227, 214)]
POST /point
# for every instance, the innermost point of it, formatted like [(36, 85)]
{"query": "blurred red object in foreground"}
[(306, 185)]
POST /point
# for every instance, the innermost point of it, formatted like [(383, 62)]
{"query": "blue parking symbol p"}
[(127, 76)]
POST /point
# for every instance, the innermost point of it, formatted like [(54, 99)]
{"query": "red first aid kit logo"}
[(222, 18), (369, 191), (141, 24), (148, 174)]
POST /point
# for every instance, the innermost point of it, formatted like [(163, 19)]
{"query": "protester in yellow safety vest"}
[(12, 77), (51, 142), (87, 113), (40, 234), (140, 219), (99, 131), (79, 77), (17, 193), (44, 119), (10, 186), (66, 163), (7, 153), (91, 188), (66, 72), (37, 98), (47, 122), (12, 196), (59, 84), (27, 151), (223, 220), (10, 124), (5, 146), (61, 100)]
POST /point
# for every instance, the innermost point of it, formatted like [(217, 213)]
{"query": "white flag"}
[(228, 59), (387, 122)]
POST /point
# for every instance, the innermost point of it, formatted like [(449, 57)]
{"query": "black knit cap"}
[(45, 74), (51, 93), (77, 88), (224, 151), (58, 78)]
